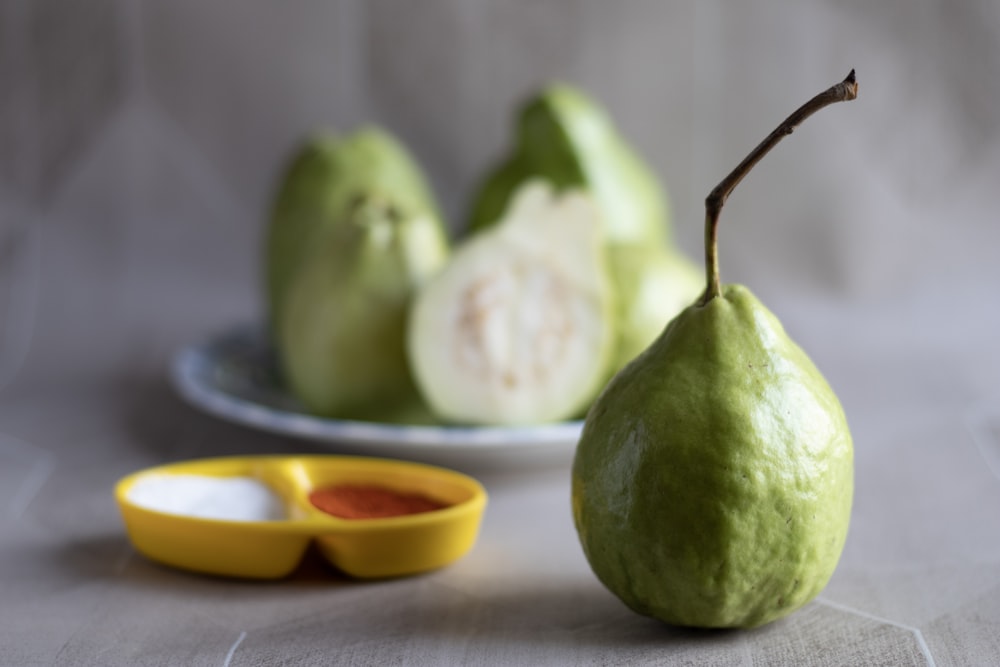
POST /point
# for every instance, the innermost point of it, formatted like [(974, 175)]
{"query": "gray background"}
[(139, 145)]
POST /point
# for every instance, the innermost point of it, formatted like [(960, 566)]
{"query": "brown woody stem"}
[(844, 91)]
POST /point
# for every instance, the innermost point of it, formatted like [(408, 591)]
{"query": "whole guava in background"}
[(341, 333), (652, 284), (564, 137), (317, 187)]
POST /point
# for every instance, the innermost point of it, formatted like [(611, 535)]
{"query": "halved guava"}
[(518, 327)]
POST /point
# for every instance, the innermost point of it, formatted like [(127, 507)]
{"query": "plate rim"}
[(186, 374)]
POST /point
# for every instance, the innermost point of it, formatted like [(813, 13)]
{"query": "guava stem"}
[(844, 91)]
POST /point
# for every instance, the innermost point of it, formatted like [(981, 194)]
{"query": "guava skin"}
[(713, 481)]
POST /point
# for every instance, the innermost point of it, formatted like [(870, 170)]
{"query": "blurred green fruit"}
[(566, 138), (652, 285), (319, 185), (341, 333)]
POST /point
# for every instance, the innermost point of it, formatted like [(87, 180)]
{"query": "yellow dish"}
[(362, 548)]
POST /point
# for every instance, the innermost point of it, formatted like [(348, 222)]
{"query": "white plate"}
[(234, 376)]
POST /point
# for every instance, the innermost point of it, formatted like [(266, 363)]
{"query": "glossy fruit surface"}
[(713, 481)]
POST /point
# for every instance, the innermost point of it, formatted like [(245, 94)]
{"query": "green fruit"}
[(341, 335), (564, 137), (713, 480), (318, 186), (517, 329), (652, 285)]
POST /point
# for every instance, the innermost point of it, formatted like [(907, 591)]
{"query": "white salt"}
[(203, 496)]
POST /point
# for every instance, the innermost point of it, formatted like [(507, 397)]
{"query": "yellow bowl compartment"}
[(253, 549), (363, 548), (396, 546)]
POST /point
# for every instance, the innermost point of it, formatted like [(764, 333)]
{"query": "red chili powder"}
[(362, 501)]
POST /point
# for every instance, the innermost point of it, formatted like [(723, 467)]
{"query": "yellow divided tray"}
[(363, 548)]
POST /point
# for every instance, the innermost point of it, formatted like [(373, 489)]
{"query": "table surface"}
[(918, 583)]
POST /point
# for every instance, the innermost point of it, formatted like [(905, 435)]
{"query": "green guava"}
[(318, 186), (341, 336), (713, 480)]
